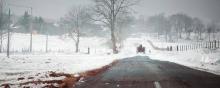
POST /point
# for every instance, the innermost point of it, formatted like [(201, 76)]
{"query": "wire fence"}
[(215, 44)]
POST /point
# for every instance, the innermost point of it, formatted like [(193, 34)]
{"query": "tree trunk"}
[(209, 35), (200, 35), (177, 34), (180, 34), (166, 36), (114, 47), (213, 34), (31, 35), (1, 41), (77, 45), (1, 23), (77, 42), (188, 35), (8, 44), (113, 38), (113, 20), (170, 37), (47, 43)]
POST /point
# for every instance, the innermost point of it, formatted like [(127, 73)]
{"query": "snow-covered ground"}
[(21, 42), (202, 59), (28, 65), (61, 59)]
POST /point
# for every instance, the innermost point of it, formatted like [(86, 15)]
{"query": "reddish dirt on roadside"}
[(68, 82)]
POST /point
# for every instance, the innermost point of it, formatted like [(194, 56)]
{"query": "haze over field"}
[(109, 43), (54, 9)]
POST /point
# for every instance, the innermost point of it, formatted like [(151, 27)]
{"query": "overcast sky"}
[(54, 9)]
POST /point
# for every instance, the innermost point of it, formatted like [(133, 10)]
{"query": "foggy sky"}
[(54, 9)]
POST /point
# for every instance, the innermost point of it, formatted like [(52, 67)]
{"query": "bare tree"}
[(198, 27), (9, 25), (108, 10), (124, 26), (160, 24), (1, 23), (181, 23), (5, 23), (74, 21), (211, 29), (40, 26)]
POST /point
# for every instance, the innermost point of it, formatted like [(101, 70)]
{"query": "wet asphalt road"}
[(142, 72)]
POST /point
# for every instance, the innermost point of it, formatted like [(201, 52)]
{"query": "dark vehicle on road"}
[(140, 49)]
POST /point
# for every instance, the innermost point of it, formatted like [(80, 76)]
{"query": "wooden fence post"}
[(218, 44), (88, 50), (177, 48), (171, 49), (215, 45)]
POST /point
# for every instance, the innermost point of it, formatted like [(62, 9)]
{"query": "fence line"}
[(215, 44)]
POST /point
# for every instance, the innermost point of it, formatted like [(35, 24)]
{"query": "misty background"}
[(167, 20), (207, 10)]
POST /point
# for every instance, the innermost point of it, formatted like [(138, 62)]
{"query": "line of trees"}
[(23, 24), (114, 15), (110, 14), (4, 26), (75, 21), (37, 25), (173, 27)]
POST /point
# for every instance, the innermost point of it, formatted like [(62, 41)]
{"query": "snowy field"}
[(63, 59), (63, 43), (30, 65)]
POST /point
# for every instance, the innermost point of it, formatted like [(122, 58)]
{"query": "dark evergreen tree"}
[(25, 22)]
